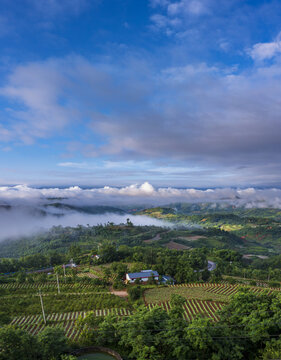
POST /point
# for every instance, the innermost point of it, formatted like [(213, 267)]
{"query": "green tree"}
[(21, 277), (17, 344), (4, 318), (74, 251), (205, 274), (142, 336), (134, 292), (272, 350), (53, 343), (177, 302), (129, 223), (58, 270)]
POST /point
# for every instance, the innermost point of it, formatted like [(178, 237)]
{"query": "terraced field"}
[(194, 307), (202, 291), (34, 323), (205, 299), (50, 286)]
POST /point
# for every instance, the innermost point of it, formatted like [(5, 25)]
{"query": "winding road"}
[(211, 265)]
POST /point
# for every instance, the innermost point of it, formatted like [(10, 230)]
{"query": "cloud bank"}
[(23, 209), (144, 194)]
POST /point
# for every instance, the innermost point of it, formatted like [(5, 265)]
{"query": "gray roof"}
[(143, 274)]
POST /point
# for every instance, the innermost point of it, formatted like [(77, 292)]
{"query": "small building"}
[(71, 265), (95, 257), (167, 280), (143, 276)]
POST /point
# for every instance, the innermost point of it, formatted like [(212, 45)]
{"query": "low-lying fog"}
[(20, 206), (16, 223)]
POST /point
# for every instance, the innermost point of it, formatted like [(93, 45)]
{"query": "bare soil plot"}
[(156, 237), (176, 246), (192, 238), (121, 293)]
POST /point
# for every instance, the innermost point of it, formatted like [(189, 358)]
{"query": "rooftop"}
[(143, 274)]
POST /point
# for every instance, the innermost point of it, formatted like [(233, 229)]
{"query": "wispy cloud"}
[(74, 165), (173, 16), (194, 7)]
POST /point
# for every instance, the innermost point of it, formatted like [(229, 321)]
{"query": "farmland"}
[(194, 307), (22, 299), (202, 291), (77, 300), (67, 321), (259, 229), (49, 287)]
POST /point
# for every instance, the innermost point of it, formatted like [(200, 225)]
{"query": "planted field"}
[(195, 307), (34, 323), (50, 287), (201, 291), (189, 291), (18, 305)]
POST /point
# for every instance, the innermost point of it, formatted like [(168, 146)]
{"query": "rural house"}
[(143, 275)]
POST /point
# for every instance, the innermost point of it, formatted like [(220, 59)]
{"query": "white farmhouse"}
[(143, 275)]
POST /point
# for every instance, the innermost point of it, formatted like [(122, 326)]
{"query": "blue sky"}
[(114, 92)]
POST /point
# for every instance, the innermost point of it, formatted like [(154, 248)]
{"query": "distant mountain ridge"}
[(49, 209), (93, 209)]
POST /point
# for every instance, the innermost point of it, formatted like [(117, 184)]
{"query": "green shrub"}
[(135, 292)]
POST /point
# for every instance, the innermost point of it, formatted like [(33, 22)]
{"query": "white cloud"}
[(139, 194), (35, 90), (173, 17), (196, 7), (265, 51), (182, 7)]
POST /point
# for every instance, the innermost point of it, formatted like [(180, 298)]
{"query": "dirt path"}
[(156, 237), (121, 293)]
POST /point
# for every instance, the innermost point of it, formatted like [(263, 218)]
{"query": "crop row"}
[(223, 289), (69, 328), (45, 285), (70, 316), (193, 307), (230, 290), (195, 285), (226, 289)]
